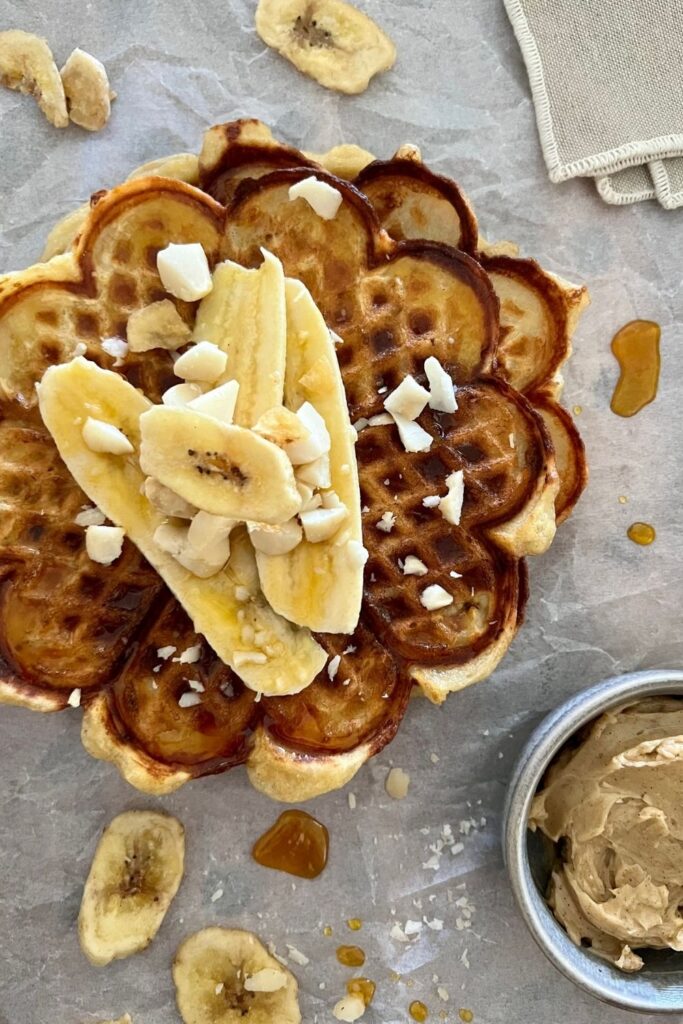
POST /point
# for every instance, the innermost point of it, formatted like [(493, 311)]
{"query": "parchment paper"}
[(599, 604)]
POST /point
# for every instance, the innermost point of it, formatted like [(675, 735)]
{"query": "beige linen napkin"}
[(607, 85)]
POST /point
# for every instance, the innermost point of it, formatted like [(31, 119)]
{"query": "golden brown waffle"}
[(66, 622)]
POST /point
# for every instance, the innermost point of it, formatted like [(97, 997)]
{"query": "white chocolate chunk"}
[(315, 444), (202, 362), (184, 271), (322, 523), (104, 543), (105, 437), (189, 700), (450, 507), (441, 387), (90, 517), (117, 348), (413, 566), (435, 597), (275, 540), (386, 523), (268, 979), (207, 532), (413, 437), (316, 473), (181, 394), (219, 402), (320, 196), (408, 399)]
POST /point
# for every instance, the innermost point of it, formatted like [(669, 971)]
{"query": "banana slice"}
[(27, 64), (225, 470), (244, 314), (135, 874), (227, 608), (319, 585), (226, 976), (330, 40)]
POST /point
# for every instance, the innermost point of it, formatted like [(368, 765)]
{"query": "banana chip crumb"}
[(329, 40)]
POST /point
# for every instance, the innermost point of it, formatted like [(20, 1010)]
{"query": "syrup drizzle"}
[(297, 843), (636, 347), (641, 533)]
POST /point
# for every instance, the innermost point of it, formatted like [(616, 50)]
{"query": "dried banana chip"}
[(329, 40), (27, 64), (87, 91), (225, 976), (134, 876)]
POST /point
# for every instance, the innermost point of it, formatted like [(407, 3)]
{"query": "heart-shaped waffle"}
[(68, 623)]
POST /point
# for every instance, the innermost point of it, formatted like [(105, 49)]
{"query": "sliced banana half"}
[(135, 873), (332, 41), (226, 976), (222, 469), (270, 654), (320, 582), (244, 314)]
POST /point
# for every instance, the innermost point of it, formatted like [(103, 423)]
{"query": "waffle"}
[(394, 301)]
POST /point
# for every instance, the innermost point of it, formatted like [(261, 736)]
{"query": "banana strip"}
[(225, 976), (319, 585), (135, 873), (228, 608), (244, 314)]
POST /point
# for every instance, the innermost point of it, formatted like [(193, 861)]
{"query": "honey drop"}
[(362, 987), (350, 956), (466, 1015), (327, 931), (641, 533), (355, 924), (297, 843), (418, 1011), (636, 347), (578, 409)]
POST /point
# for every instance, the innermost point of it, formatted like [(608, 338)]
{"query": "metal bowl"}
[(658, 987)]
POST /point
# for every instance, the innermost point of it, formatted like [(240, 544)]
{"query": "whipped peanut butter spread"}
[(614, 803)]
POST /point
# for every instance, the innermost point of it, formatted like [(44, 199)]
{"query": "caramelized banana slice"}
[(244, 315), (135, 874), (27, 64), (226, 976), (319, 584), (329, 40)]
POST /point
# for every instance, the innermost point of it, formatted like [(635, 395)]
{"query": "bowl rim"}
[(626, 991)]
